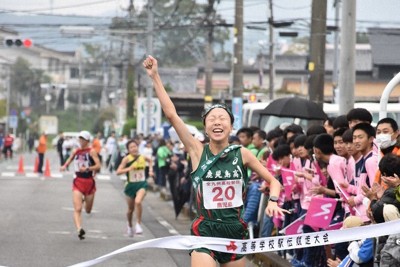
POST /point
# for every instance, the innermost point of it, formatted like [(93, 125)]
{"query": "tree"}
[(25, 90), (21, 81), (95, 56), (180, 31)]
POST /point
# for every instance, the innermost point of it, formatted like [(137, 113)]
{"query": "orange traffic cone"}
[(21, 165), (35, 168), (47, 169)]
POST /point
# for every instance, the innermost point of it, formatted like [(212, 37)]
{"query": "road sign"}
[(154, 107), (13, 121), (48, 124), (237, 105)]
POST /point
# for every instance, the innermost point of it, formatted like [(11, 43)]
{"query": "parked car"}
[(66, 134)]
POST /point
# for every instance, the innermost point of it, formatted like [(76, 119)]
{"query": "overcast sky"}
[(368, 11), (376, 13)]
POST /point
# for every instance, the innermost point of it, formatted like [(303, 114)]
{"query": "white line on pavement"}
[(169, 227), (103, 177), (8, 174)]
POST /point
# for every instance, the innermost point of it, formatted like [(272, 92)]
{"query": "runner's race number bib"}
[(222, 194), (136, 176)]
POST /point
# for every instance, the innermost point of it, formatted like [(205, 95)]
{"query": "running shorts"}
[(87, 186), (234, 230), (131, 189)]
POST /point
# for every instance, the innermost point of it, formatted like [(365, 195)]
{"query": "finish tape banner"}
[(258, 245)]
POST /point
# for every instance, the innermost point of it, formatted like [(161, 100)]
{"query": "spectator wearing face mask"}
[(387, 135)]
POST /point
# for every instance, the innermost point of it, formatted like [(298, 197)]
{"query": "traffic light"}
[(18, 42), (252, 98)]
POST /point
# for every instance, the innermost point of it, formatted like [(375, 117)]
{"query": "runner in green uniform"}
[(219, 176), (136, 185)]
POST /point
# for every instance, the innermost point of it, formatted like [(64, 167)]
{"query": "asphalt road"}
[(37, 227)]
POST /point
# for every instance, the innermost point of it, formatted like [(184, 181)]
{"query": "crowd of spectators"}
[(346, 159)]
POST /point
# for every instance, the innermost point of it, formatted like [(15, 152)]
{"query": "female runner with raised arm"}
[(219, 177)]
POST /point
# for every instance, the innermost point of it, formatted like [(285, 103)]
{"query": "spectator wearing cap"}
[(361, 252), (41, 150), (390, 253)]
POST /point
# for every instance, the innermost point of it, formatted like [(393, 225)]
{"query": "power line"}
[(292, 7), (57, 8)]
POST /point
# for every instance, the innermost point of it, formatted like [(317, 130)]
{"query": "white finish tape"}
[(258, 245)]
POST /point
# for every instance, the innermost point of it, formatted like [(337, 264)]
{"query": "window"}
[(74, 73)]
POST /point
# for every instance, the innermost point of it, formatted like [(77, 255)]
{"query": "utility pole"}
[(237, 68), (8, 85), (335, 71), (149, 90), (316, 66), (238, 50), (80, 70), (130, 93), (347, 77), (271, 53), (209, 54)]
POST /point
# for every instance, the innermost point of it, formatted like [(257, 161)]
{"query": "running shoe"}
[(138, 229), (81, 234), (129, 231)]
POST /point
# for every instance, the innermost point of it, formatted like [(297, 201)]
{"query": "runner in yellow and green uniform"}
[(134, 165)]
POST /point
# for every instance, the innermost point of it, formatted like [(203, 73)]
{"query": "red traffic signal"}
[(18, 42)]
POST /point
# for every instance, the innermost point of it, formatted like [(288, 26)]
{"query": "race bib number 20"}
[(222, 194)]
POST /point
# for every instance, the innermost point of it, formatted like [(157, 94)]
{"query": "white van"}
[(251, 113), (251, 117), (73, 135)]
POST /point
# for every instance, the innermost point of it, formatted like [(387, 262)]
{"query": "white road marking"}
[(60, 232), (15, 167), (31, 174), (8, 174), (94, 236), (95, 231), (169, 227), (57, 175), (103, 177)]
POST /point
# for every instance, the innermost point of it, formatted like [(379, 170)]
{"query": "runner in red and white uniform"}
[(86, 163)]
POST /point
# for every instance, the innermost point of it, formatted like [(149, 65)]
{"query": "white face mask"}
[(385, 140)]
